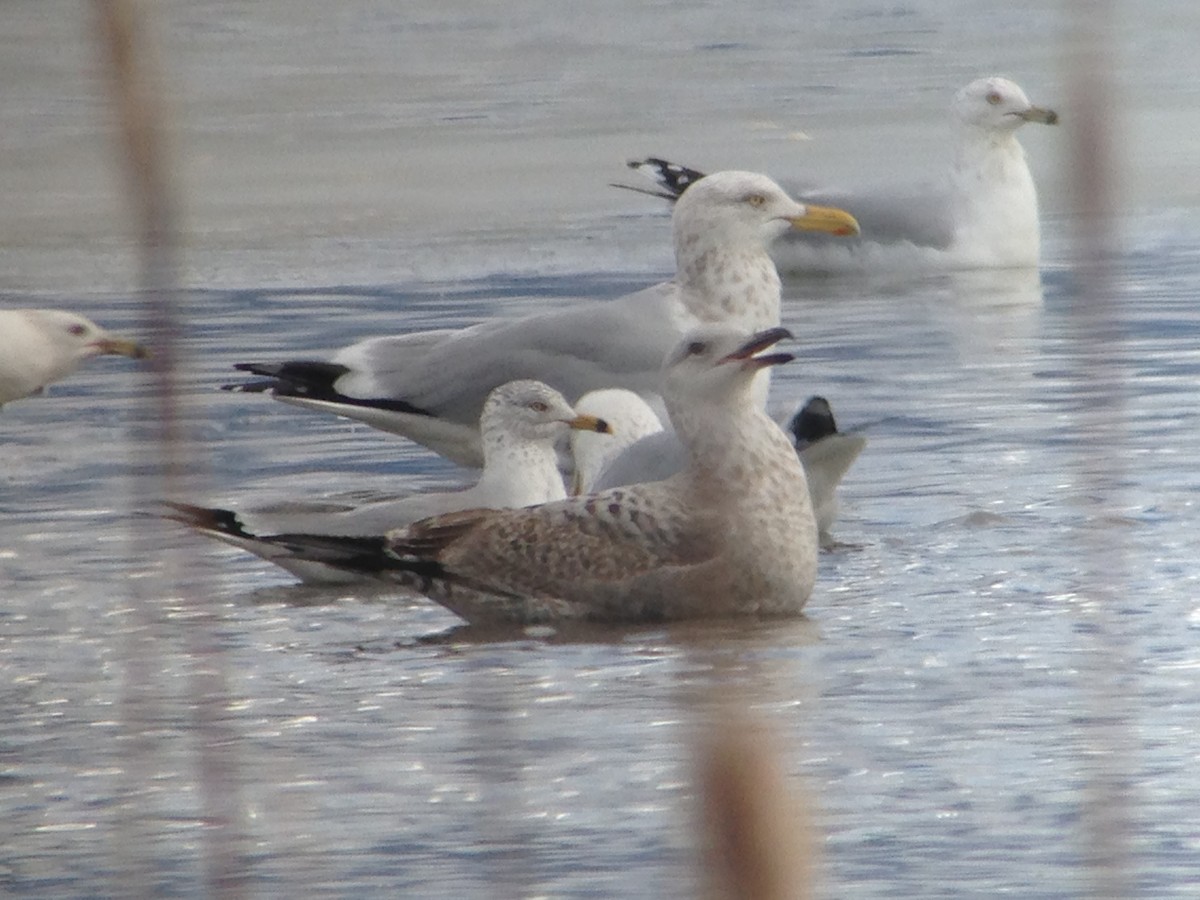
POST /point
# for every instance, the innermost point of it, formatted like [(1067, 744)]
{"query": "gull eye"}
[(695, 348), (77, 330), (993, 97), (756, 199), (539, 406)]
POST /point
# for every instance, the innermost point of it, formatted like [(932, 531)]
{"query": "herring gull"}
[(522, 421), (731, 534), (430, 386), (826, 454), (980, 213), (40, 346)]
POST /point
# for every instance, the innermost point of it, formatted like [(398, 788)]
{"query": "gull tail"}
[(305, 561)]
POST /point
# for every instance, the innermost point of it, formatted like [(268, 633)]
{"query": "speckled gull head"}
[(997, 104), (529, 411), (745, 210)]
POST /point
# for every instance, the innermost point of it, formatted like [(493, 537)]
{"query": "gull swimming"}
[(522, 421), (731, 534), (981, 212), (41, 346), (826, 454), (430, 386)]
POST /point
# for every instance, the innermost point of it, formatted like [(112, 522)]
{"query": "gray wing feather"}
[(449, 374)]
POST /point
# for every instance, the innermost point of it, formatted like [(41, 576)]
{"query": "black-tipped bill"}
[(590, 423), (746, 354)]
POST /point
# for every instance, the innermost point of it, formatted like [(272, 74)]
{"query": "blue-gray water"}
[(999, 662)]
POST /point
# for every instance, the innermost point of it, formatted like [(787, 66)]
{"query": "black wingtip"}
[(366, 555), (813, 421), (673, 177), (313, 380)]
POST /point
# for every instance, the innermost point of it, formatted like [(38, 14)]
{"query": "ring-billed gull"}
[(430, 386), (731, 534), (522, 421), (980, 213), (41, 346), (826, 454)]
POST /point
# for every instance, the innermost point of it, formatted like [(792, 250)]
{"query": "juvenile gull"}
[(430, 386), (522, 421), (731, 534), (980, 213), (826, 454), (40, 346)]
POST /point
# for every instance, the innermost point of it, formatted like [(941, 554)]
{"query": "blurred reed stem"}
[(170, 472)]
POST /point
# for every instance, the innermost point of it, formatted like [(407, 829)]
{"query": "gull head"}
[(534, 412), (997, 104), (80, 338), (718, 362), (747, 210)]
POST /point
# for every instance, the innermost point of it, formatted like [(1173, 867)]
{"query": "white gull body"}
[(630, 419)]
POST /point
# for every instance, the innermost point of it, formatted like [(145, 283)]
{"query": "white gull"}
[(981, 212), (41, 346)]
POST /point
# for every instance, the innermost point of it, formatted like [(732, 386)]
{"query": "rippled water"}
[(1000, 659)]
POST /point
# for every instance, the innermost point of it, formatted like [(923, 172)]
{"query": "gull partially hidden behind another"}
[(430, 386), (640, 449), (981, 212), (41, 346), (732, 534), (522, 422)]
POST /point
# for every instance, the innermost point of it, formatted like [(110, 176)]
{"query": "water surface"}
[(999, 659)]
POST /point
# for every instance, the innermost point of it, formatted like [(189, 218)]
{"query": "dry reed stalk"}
[(1106, 740), (137, 95)]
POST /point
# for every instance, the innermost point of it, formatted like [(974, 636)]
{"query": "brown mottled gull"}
[(41, 346), (522, 422), (430, 386), (732, 534)]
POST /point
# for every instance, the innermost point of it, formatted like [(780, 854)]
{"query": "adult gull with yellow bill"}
[(430, 386)]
